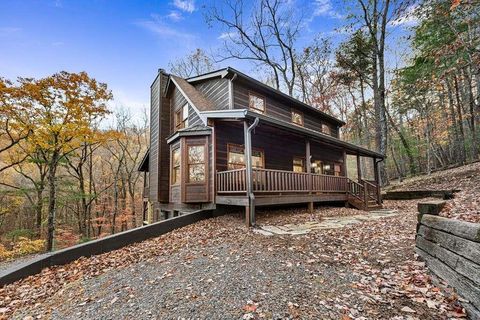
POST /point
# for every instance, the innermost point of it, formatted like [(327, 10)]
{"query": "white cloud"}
[(325, 8), (409, 17), (158, 26), (185, 5), (175, 16), (227, 35)]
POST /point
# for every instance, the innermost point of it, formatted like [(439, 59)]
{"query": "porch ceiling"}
[(302, 131)]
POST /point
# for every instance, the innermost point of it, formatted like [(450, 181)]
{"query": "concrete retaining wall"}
[(451, 250), (99, 246)]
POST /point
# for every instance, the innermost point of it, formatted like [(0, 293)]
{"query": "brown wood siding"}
[(278, 109), (159, 151), (215, 90), (279, 148)]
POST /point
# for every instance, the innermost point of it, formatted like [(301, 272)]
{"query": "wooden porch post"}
[(359, 168), (308, 163)]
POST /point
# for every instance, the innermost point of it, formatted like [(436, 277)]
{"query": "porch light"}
[(326, 167), (314, 165)]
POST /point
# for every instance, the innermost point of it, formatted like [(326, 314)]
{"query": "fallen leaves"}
[(387, 281)]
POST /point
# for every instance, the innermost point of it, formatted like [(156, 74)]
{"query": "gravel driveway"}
[(218, 269)]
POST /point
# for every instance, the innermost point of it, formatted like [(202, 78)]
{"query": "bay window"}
[(196, 163)]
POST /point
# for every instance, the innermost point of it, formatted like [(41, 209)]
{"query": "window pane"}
[(257, 103), (326, 129), (236, 159), (257, 161), (176, 175), (176, 157), (298, 165), (297, 118), (196, 172), (185, 112), (196, 154)]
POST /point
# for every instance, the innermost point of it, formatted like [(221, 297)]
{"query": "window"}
[(298, 164), (297, 117), (236, 158), (317, 167), (328, 168), (196, 163), (338, 169), (176, 166), (181, 118), (257, 103), (326, 129)]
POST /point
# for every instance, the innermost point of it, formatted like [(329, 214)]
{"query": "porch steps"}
[(361, 205)]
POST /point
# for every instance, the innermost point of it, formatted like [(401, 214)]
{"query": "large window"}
[(297, 117), (176, 166), (236, 157), (298, 164), (181, 118), (257, 103), (196, 163)]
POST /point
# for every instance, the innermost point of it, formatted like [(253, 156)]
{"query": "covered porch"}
[(286, 164)]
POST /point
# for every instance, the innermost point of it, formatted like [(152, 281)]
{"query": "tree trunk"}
[(52, 205), (39, 210), (411, 159), (463, 152)]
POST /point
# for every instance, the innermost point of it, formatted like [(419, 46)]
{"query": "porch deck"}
[(282, 187)]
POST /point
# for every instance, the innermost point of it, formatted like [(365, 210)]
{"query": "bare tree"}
[(193, 64), (266, 35)]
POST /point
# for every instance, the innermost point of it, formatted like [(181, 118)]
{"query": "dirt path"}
[(217, 269)]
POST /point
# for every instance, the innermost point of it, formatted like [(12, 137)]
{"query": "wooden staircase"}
[(364, 196)]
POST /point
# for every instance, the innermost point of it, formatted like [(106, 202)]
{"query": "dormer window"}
[(181, 118), (297, 117), (326, 129), (257, 103)]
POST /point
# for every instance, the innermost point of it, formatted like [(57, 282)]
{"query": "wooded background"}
[(65, 163)]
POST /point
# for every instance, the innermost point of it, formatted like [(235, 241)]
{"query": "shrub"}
[(4, 253), (22, 247), (15, 235), (27, 246)]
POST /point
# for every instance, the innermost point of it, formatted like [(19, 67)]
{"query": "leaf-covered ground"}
[(218, 269), (466, 204)]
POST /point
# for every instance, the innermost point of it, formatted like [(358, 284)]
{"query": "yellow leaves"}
[(22, 247), (61, 109)]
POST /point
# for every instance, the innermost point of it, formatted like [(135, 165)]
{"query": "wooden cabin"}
[(224, 138)]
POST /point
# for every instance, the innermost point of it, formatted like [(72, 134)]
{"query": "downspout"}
[(249, 171)]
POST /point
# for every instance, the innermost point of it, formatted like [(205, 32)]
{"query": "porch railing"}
[(365, 191), (278, 181)]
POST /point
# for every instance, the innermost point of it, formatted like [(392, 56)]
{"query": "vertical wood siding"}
[(278, 109)]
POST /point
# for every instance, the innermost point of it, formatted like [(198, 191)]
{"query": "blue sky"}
[(122, 43)]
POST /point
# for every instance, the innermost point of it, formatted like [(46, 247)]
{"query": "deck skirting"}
[(265, 200)]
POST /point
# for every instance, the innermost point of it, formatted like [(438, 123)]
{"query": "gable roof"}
[(231, 72), (193, 96)]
